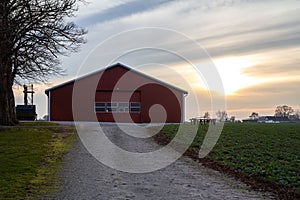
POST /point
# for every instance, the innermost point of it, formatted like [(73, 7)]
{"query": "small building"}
[(116, 94), (250, 120), (273, 119), (26, 112)]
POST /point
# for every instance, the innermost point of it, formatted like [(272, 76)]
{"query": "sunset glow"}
[(230, 70)]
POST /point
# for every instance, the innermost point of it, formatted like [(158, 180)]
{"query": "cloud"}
[(223, 31), (267, 95), (91, 7), (250, 45), (285, 71), (121, 10)]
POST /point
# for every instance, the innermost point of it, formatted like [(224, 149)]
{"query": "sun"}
[(230, 70)]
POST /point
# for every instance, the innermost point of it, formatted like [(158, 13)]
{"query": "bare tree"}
[(232, 119), (206, 115), (254, 116), (33, 34), (283, 111), (222, 115), (297, 114)]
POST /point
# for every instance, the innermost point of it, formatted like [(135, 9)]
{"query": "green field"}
[(29, 159), (265, 152)]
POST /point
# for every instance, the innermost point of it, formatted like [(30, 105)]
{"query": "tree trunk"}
[(7, 100)]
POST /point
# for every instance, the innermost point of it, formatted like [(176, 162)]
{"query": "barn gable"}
[(120, 65)]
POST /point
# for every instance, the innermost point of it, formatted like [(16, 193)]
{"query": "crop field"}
[(266, 153)]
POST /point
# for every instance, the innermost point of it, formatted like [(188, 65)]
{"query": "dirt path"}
[(84, 177)]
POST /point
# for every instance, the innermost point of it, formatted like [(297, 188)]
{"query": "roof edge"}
[(109, 67)]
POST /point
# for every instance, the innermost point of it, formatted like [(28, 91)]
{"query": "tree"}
[(297, 114), (206, 115), (232, 119), (254, 116), (283, 111), (222, 115), (33, 34)]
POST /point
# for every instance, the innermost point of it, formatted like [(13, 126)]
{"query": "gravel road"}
[(84, 177)]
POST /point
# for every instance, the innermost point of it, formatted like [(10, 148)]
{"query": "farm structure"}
[(117, 93), (27, 111), (273, 119)]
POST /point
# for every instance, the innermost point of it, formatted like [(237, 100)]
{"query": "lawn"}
[(37, 123), (29, 159), (268, 153)]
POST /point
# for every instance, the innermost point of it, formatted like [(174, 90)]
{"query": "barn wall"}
[(117, 84), (61, 103), (169, 104)]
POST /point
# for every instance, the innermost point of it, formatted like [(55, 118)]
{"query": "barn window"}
[(111, 107), (135, 107), (123, 107), (100, 107)]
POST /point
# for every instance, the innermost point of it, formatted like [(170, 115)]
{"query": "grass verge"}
[(266, 156), (29, 160), (38, 123)]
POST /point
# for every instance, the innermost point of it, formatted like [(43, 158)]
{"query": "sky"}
[(254, 45)]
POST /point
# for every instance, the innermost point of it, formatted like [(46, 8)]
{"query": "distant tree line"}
[(222, 116), (280, 111), (287, 111)]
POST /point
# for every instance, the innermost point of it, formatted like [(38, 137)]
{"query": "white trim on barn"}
[(49, 95), (183, 107)]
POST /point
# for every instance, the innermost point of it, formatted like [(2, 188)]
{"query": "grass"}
[(38, 123), (267, 152), (29, 160)]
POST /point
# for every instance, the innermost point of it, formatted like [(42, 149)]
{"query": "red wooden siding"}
[(117, 84), (61, 104)]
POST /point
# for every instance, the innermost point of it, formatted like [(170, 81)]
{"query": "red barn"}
[(116, 94)]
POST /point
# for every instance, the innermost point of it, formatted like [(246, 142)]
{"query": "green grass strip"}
[(29, 159), (38, 123)]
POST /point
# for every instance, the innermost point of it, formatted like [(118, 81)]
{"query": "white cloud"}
[(96, 6)]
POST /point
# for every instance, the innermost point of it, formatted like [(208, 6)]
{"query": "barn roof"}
[(117, 65)]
